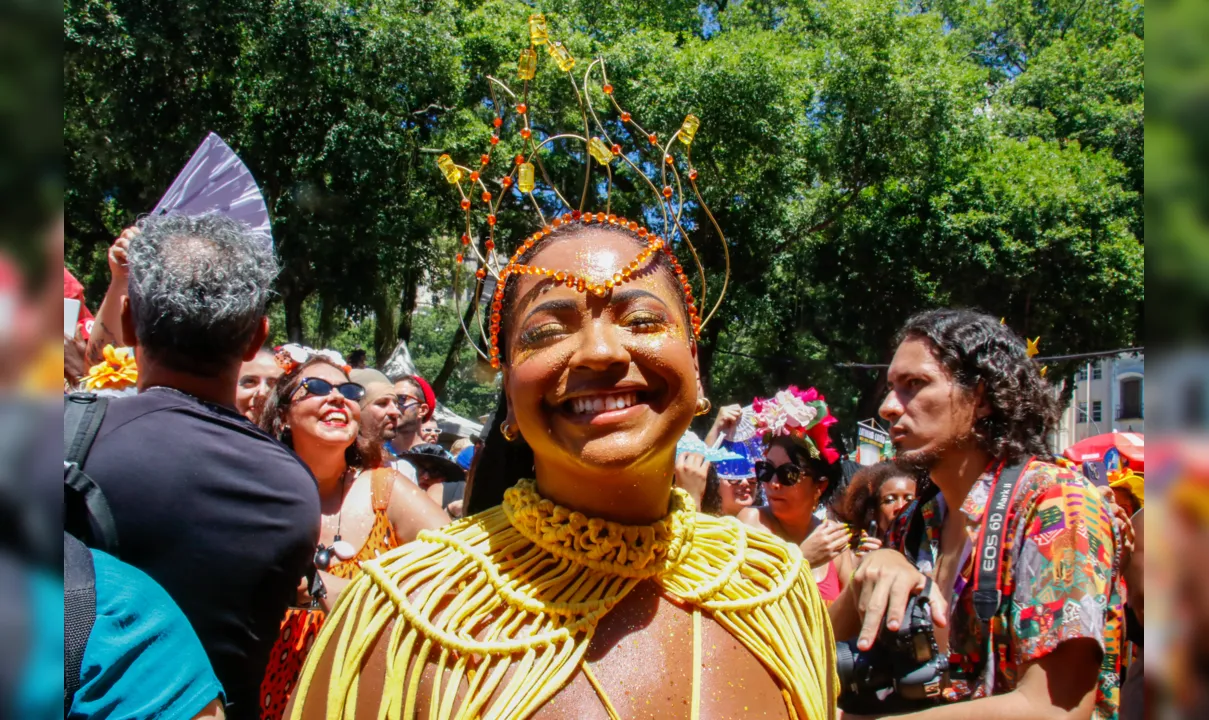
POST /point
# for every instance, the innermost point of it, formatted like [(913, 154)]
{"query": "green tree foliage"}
[(865, 159)]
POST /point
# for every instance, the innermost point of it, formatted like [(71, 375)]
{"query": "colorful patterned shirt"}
[(1062, 581)]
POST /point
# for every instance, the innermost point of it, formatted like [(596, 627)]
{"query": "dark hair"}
[(859, 504), (799, 453), (362, 453), (711, 499), (505, 463), (976, 349)]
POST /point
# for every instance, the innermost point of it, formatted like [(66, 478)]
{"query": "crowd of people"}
[(277, 531)]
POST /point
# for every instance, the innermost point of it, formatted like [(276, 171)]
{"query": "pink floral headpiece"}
[(291, 356), (801, 413)]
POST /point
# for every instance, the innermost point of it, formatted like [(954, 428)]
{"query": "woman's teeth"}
[(336, 416), (602, 403)]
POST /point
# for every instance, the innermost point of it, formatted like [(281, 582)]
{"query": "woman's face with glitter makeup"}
[(599, 382)]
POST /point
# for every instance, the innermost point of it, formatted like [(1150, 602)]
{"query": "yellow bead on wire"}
[(538, 34), (688, 129), (562, 56), (524, 177), (526, 65), (452, 172), (600, 151)]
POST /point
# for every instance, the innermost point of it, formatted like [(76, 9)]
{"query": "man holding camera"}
[(1015, 552)]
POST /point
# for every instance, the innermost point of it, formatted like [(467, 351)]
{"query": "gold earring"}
[(510, 434), (704, 406)]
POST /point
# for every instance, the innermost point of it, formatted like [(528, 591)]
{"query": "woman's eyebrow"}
[(554, 306), (632, 294)]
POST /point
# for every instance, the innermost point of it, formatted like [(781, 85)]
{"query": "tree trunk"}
[(408, 308), (455, 345), (327, 319), (386, 308), (293, 299)]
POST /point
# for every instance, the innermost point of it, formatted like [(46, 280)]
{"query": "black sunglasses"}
[(319, 387), (787, 475)]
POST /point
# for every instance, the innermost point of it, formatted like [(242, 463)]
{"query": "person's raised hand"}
[(827, 541), (119, 271), (728, 418), (882, 583), (691, 473)]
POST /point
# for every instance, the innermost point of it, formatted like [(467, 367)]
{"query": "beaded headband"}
[(603, 148)]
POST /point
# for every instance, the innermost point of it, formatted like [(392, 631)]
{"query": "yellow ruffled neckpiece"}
[(524, 585)]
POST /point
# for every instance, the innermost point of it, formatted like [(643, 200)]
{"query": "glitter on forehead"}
[(599, 264), (654, 244)]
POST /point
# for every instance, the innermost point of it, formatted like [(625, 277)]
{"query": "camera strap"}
[(988, 579)]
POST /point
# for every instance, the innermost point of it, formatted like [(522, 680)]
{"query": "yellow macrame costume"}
[(524, 585)]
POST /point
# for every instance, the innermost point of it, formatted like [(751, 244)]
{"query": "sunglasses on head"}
[(786, 475), (318, 387)]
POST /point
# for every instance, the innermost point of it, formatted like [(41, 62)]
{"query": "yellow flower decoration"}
[(1127, 478), (118, 372), (1032, 346)]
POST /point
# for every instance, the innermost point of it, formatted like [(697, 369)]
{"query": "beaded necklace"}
[(523, 587)]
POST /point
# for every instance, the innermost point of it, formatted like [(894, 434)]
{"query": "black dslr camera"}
[(902, 672)]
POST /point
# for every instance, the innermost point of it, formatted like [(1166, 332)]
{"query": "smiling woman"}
[(592, 589), (367, 510), (592, 384)]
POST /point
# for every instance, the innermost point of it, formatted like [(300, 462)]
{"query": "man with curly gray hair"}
[(220, 514), (198, 290), (1015, 551)]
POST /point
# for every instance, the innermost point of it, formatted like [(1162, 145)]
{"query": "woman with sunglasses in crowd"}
[(367, 509), (798, 474)]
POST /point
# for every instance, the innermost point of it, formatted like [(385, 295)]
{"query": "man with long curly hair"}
[(968, 407)]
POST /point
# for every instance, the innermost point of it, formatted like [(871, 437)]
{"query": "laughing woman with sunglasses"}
[(367, 509)]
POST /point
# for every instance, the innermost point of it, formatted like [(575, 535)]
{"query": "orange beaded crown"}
[(604, 150)]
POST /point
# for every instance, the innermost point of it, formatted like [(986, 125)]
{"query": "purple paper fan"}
[(216, 180)]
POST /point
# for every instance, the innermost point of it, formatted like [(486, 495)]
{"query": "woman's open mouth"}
[(335, 418), (605, 408)]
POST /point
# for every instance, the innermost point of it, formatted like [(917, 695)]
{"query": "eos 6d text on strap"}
[(988, 583)]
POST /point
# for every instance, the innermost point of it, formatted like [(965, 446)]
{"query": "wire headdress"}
[(601, 147)]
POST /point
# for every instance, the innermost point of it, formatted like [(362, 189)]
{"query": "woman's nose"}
[(600, 346)]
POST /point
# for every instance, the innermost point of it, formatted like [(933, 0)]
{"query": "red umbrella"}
[(1131, 445)]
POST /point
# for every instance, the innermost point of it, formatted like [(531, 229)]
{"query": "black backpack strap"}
[(87, 514), (83, 414), (79, 613)]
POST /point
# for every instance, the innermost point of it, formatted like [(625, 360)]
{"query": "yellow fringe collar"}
[(523, 587)]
